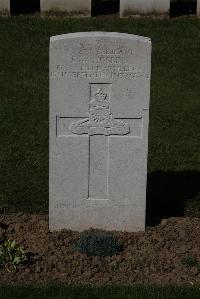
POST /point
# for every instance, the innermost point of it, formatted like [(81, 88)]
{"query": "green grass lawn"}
[(173, 164), (77, 292)]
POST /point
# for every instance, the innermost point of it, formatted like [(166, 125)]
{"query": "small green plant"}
[(114, 266), (98, 243), (189, 261), (12, 255)]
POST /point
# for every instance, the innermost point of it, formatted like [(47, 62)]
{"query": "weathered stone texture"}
[(71, 7), (144, 7), (99, 112), (4, 7)]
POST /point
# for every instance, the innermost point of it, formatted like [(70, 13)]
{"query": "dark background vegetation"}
[(173, 162), (24, 6), (182, 7), (103, 7)]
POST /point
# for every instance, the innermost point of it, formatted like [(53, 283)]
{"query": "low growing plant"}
[(189, 261), (98, 243), (12, 255)]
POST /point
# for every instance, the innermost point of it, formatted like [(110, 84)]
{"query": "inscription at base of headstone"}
[(4, 7), (99, 112), (144, 7), (198, 7), (71, 7)]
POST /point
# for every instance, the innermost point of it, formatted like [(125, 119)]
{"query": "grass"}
[(76, 292), (173, 163)]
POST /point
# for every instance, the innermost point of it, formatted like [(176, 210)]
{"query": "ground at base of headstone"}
[(165, 254)]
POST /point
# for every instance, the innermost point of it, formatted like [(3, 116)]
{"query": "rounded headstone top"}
[(101, 34)]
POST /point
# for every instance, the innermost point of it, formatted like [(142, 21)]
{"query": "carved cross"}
[(99, 126)]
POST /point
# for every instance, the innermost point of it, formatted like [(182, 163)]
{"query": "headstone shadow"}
[(167, 193)]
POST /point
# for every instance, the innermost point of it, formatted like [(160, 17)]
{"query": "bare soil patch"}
[(153, 257)]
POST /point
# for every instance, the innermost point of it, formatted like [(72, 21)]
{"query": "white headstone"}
[(198, 7), (99, 113), (4, 7), (142, 7), (73, 7)]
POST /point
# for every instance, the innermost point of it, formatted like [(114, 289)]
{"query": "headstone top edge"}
[(100, 34)]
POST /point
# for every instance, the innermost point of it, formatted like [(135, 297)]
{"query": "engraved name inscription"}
[(99, 64)]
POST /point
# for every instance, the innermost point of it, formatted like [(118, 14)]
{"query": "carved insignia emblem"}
[(101, 120)]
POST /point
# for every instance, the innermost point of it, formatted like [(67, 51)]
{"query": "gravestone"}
[(198, 7), (99, 112), (68, 7), (144, 7), (4, 7)]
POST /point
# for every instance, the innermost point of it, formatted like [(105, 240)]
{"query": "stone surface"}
[(142, 7), (99, 112), (198, 7), (4, 6), (74, 7)]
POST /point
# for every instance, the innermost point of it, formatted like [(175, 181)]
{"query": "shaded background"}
[(103, 7)]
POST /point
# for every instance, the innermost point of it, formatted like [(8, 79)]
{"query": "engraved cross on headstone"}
[(99, 126)]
